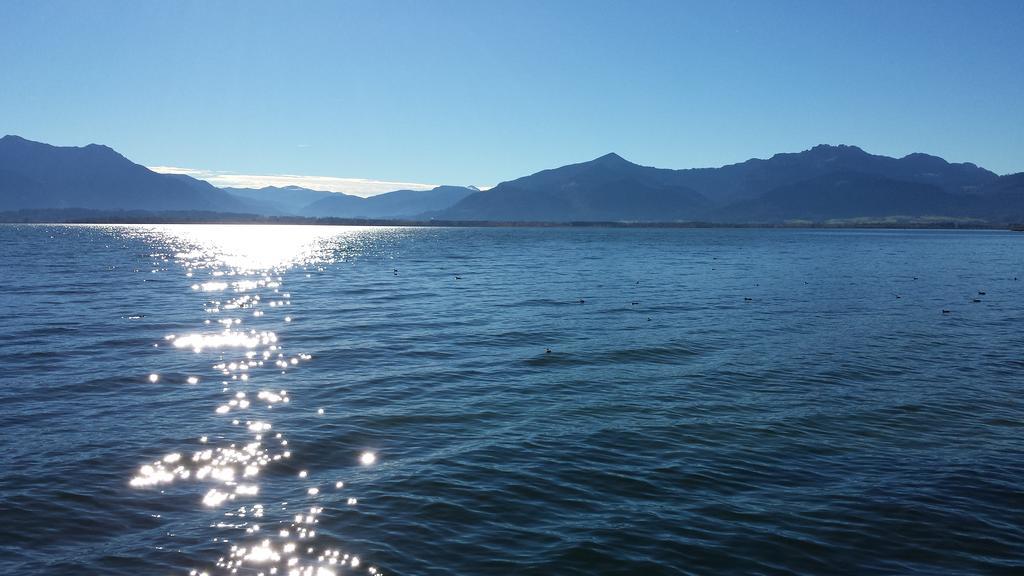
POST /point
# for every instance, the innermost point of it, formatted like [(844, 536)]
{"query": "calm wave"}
[(277, 400)]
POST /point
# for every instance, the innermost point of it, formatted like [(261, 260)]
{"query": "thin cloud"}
[(355, 186)]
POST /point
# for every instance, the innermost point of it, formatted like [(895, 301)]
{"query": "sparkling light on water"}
[(244, 269)]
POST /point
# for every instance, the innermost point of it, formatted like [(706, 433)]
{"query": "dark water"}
[(720, 402)]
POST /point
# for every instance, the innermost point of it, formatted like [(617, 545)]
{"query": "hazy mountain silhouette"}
[(606, 188), (1001, 200), (280, 199), (37, 175), (1011, 185), (819, 184), (399, 204), (825, 182), (845, 195), (755, 177)]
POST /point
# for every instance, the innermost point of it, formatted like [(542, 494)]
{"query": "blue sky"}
[(477, 92)]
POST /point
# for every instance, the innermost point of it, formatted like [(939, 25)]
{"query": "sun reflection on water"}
[(243, 268), (248, 249)]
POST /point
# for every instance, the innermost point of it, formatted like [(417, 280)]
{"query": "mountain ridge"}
[(96, 176), (822, 183), (711, 193), (396, 204)]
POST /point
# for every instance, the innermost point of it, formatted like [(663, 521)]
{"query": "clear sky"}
[(477, 92)]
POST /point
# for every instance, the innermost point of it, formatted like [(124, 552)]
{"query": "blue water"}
[(510, 401)]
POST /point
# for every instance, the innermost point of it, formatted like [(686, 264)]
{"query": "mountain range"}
[(818, 185), (823, 184), (400, 204), (34, 175)]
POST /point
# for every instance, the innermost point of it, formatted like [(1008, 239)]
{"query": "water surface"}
[(499, 401)]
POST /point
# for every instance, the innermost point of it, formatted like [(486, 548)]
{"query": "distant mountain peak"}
[(25, 143), (103, 150), (97, 177), (611, 158), (837, 148), (15, 140), (922, 156)]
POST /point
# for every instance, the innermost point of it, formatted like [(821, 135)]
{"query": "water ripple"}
[(575, 402)]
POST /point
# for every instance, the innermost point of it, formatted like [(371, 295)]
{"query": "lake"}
[(316, 400)]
